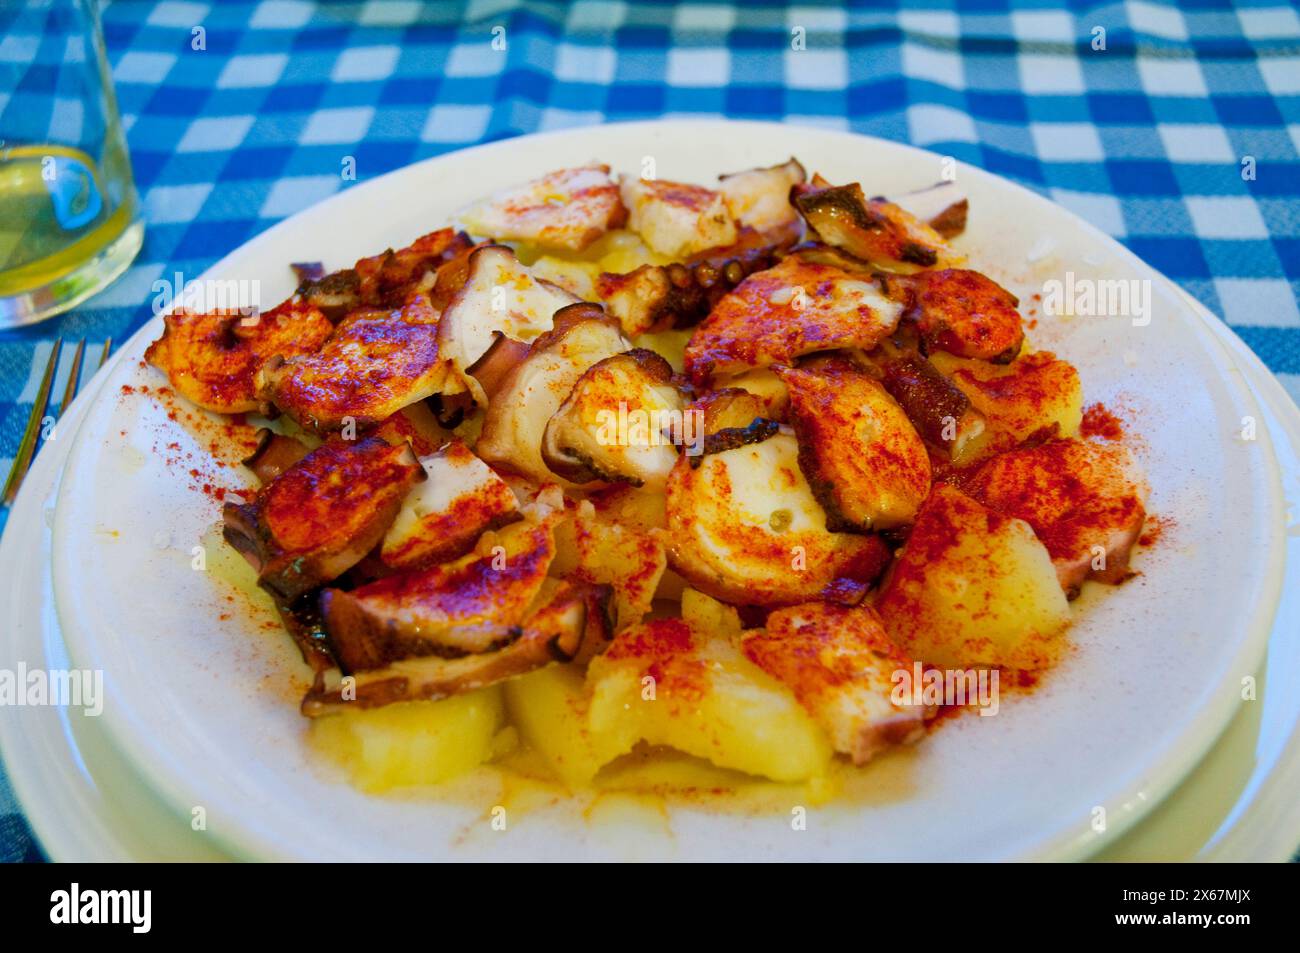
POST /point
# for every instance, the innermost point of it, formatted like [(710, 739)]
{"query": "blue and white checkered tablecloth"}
[(1147, 138)]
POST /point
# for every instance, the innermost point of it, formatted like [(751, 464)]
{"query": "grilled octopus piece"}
[(874, 230), (275, 453), (962, 312), (798, 307), (213, 359), (304, 622), (385, 280), (375, 363), (659, 297), (574, 445), (321, 516), (456, 608), (573, 623), (941, 413)]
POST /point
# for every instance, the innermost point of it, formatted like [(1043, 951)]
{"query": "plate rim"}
[(59, 841)]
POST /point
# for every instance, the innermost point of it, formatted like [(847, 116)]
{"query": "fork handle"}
[(27, 446)]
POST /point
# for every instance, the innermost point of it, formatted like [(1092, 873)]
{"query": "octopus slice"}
[(500, 297), (515, 425), (659, 297), (443, 517), (785, 312), (616, 423), (321, 516), (304, 623), (386, 280), (565, 210), (415, 424), (840, 664), (760, 198), (471, 605), (938, 409), (744, 526), (213, 359), (859, 452), (374, 364), (1084, 499), (962, 312), (675, 219), (570, 621), (274, 454), (875, 230)]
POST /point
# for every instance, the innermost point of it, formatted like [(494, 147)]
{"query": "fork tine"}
[(74, 377), (27, 446), (103, 355)]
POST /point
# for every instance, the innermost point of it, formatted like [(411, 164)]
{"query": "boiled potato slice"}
[(708, 615), (1032, 392), (973, 588), (597, 547), (670, 345), (636, 508), (549, 708), (666, 683), (412, 743), (576, 277), (622, 251)]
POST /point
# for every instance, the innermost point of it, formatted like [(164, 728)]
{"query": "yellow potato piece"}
[(708, 615), (412, 743), (973, 588), (549, 709), (1032, 392), (665, 684)]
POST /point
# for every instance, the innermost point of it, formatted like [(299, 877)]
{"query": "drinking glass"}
[(70, 219)]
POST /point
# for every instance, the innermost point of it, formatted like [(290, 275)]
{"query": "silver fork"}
[(27, 446)]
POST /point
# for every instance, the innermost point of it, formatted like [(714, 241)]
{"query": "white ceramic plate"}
[(81, 798), (198, 703), (85, 802), (1239, 804)]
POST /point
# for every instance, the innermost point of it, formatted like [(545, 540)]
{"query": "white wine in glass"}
[(70, 220)]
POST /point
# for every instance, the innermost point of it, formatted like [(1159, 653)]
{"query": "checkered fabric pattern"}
[(238, 115)]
